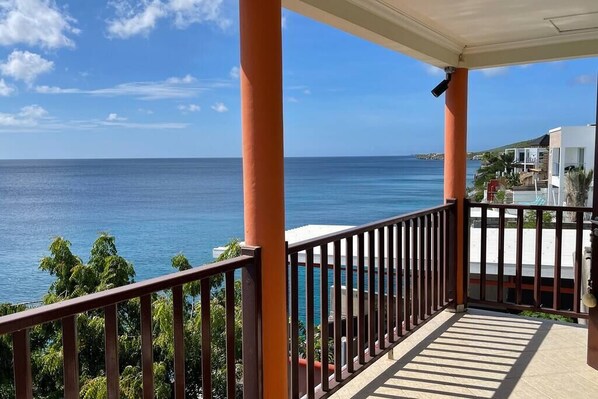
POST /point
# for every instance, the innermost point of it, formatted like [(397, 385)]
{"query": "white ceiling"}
[(467, 33)]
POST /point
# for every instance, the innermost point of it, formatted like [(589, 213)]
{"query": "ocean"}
[(157, 208)]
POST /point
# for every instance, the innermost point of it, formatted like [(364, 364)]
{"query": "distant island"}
[(541, 141)]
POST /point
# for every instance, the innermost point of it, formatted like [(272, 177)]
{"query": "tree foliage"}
[(494, 166), (107, 269), (577, 186)]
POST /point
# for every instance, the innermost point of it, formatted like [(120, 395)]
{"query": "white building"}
[(528, 158), (570, 147)]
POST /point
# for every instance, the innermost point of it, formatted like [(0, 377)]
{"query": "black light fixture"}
[(442, 86)]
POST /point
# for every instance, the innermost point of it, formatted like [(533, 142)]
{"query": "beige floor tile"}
[(482, 355), (564, 385)]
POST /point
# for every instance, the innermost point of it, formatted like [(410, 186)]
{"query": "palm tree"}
[(577, 186), (507, 161)]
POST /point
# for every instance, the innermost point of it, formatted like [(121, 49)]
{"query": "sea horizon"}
[(159, 207)]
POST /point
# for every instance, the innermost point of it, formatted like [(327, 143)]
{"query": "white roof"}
[(468, 33)]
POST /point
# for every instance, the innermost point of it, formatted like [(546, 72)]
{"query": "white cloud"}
[(283, 21), (235, 72), (585, 79), (5, 89), (492, 72), (433, 70), (25, 66), (187, 12), (141, 18), (189, 108), (35, 23), (114, 117), (292, 99), (33, 111), (175, 87), (145, 111), (136, 125), (136, 23), (28, 116), (34, 118), (219, 107), (307, 92), (185, 79), (56, 90)]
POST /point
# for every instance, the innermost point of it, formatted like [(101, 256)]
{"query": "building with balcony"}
[(570, 147), (533, 156)]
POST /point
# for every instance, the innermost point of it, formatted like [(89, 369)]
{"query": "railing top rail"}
[(56, 311), (530, 207), (328, 238)]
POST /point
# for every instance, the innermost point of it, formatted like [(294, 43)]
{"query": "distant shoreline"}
[(437, 156)]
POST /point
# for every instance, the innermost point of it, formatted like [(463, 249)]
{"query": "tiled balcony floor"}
[(482, 354)]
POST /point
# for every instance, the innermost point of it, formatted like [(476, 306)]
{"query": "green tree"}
[(577, 186), (106, 269)]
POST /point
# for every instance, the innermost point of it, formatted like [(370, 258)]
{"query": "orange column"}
[(455, 164), (263, 176)]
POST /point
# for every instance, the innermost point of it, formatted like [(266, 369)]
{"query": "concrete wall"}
[(569, 139)]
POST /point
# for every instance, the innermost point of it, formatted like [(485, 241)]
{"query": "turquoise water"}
[(159, 207)]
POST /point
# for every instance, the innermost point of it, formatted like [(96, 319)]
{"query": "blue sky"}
[(159, 78)]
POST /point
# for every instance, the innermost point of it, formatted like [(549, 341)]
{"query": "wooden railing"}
[(538, 282), (400, 270), (66, 312)]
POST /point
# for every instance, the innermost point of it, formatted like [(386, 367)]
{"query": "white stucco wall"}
[(571, 138)]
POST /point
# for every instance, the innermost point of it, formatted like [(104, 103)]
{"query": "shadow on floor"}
[(467, 356)]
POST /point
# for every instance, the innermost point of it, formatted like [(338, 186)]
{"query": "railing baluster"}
[(422, 268), (231, 376), (206, 340), (338, 364), (436, 260), (381, 301), (179, 341), (390, 285), (324, 314), (399, 281), (21, 354), (294, 303), (558, 247), (349, 284), (483, 241), (414, 274), (70, 359), (361, 298), (147, 350), (309, 311), (443, 256), (429, 265), (519, 257), (501, 255), (578, 260), (111, 347), (538, 263), (408, 294), (372, 293)]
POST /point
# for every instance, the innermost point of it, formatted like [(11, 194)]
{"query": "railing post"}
[(466, 246), (252, 325), (454, 264), (451, 252)]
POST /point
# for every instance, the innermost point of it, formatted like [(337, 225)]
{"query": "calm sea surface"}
[(157, 208)]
